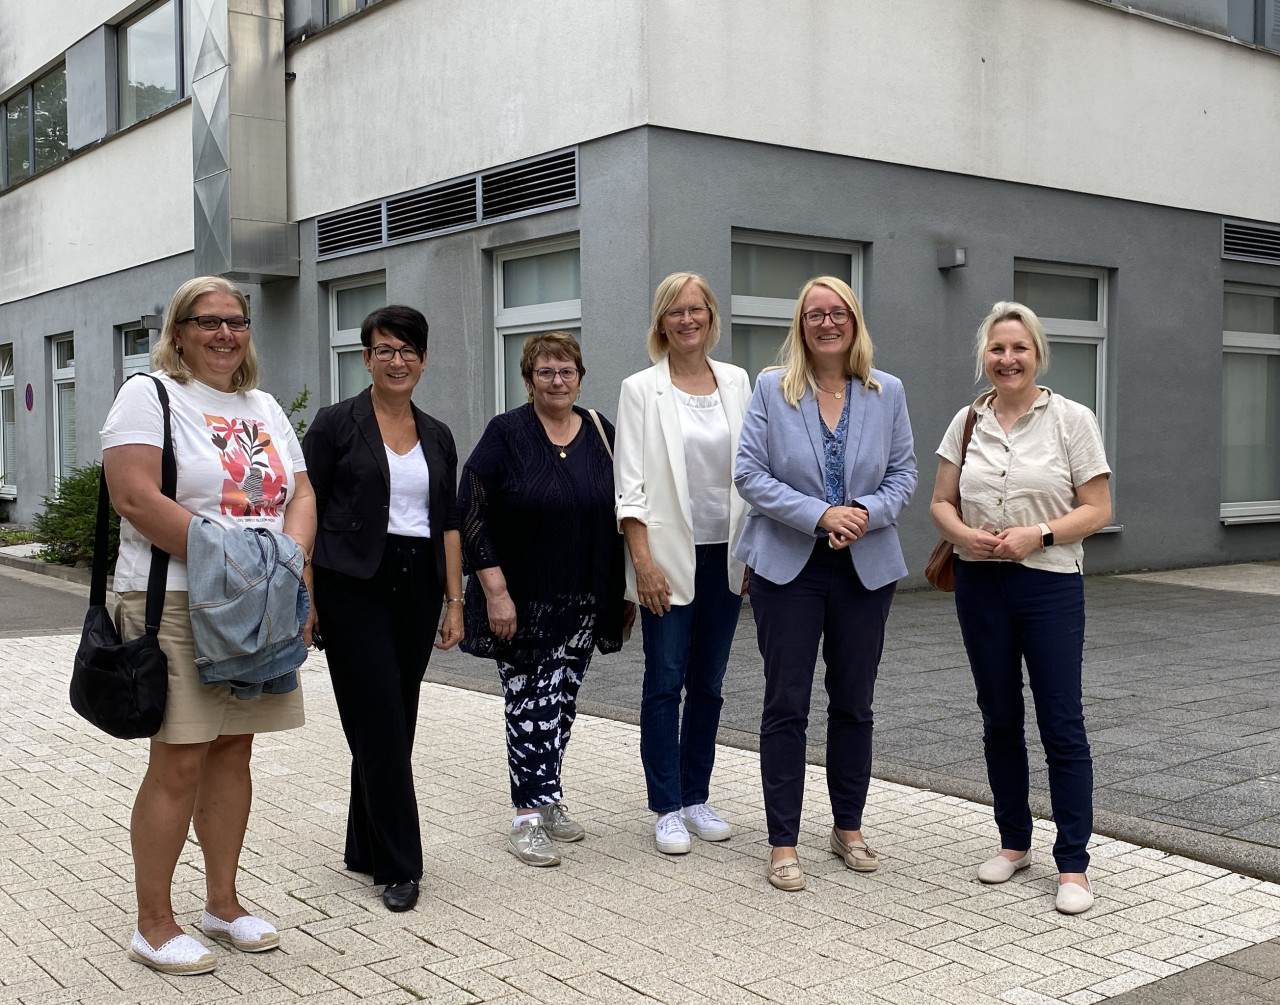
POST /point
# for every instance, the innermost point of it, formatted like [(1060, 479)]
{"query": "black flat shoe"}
[(401, 896)]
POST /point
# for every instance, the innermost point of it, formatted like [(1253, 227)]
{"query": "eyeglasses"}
[(693, 312), (838, 317), (211, 323), (547, 375), (386, 353)]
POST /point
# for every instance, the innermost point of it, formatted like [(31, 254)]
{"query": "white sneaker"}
[(702, 820), (670, 834)]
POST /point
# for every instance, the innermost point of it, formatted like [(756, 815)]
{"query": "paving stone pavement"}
[(616, 923), (1181, 689)]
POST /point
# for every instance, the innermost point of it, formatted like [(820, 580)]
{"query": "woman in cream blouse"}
[(1032, 487), (677, 433)]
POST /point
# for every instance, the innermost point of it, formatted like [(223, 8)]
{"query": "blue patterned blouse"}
[(833, 443)]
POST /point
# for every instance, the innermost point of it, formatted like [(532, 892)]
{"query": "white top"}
[(236, 453), (410, 483), (708, 462), (1030, 475)]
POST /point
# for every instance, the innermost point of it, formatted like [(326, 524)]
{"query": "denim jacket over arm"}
[(248, 607)]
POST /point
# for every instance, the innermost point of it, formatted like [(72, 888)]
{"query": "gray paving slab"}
[(1181, 690)]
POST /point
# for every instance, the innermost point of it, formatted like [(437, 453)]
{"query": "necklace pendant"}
[(839, 395), (563, 454)]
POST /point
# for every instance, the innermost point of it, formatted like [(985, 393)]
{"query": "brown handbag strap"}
[(970, 421)]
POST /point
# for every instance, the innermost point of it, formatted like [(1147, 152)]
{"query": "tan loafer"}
[(1072, 898), (857, 855), (786, 875), (999, 869)]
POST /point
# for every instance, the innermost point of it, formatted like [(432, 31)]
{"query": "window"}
[(135, 351), (8, 432), (768, 272), (64, 405), (1250, 404), (537, 290), (35, 127), (1072, 304), (1256, 21), (150, 60), (336, 9), (350, 302)]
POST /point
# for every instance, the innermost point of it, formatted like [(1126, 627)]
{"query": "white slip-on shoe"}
[(1073, 898), (999, 869), (670, 834), (182, 955), (706, 823), (247, 934)]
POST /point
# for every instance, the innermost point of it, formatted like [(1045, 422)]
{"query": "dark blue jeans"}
[(825, 601), (686, 649), (1009, 613)]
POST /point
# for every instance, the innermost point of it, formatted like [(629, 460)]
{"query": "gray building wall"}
[(654, 201)]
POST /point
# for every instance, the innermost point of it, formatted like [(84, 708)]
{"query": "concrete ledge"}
[(68, 573)]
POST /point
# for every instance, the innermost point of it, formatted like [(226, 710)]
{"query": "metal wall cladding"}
[(242, 228)]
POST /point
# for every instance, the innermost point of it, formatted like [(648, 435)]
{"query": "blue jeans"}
[(1009, 613), (686, 649)]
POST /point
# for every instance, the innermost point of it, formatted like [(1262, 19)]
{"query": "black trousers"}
[(826, 602), (378, 634)]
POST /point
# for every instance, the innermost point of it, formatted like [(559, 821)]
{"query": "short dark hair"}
[(405, 323)]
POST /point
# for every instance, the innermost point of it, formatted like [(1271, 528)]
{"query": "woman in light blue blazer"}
[(826, 462), (677, 433)]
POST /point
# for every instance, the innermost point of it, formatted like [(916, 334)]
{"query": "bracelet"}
[(454, 600)]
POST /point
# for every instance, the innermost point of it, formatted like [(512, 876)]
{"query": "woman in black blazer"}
[(387, 554)]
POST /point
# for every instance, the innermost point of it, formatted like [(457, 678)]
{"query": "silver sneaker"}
[(559, 825), (531, 845)]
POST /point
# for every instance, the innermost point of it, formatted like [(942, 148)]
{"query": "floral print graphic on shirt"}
[(256, 482)]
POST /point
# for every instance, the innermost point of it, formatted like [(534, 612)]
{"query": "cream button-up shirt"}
[(1029, 475)]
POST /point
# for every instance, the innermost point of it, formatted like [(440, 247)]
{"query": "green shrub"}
[(66, 527)]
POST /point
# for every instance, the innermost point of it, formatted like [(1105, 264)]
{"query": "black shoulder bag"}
[(121, 687)]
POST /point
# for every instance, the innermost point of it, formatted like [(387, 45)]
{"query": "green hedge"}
[(66, 527)]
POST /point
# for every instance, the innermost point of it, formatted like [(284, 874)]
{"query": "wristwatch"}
[(1046, 536)]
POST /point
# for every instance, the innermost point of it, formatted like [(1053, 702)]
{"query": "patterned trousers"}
[(541, 704)]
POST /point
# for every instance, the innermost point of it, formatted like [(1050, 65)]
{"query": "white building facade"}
[(510, 168)]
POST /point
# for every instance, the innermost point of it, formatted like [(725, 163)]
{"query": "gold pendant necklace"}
[(838, 394)]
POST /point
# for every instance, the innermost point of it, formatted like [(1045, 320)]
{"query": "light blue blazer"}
[(779, 472)]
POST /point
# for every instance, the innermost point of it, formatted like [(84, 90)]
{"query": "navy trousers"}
[(1009, 613), (825, 601)]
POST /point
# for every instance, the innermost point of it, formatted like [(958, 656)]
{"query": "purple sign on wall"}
[(30, 398)]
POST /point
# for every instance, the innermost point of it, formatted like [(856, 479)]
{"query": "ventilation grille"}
[(436, 209), (348, 230), (543, 184), (534, 186), (1250, 242)]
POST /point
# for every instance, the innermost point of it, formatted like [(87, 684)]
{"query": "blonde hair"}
[(165, 356), (1010, 310), (793, 357), (663, 297)]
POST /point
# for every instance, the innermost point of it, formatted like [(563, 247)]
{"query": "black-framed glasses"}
[(211, 323), (838, 317), (386, 353), (693, 312), (547, 374)]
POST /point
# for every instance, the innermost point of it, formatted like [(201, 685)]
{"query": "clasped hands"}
[(1013, 544), (843, 524)]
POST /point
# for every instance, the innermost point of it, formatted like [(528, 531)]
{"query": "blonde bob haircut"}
[(1010, 310), (664, 296), (165, 356), (793, 357)]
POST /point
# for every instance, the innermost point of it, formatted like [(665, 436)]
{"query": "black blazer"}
[(347, 465)]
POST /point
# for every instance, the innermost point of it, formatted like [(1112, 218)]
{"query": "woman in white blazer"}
[(826, 462), (677, 433)]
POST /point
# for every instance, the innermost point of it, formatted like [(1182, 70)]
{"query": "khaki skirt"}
[(195, 712)]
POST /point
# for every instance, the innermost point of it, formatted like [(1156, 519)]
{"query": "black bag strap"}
[(159, 559)]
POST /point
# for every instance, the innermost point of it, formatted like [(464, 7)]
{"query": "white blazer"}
[(650, 479)]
